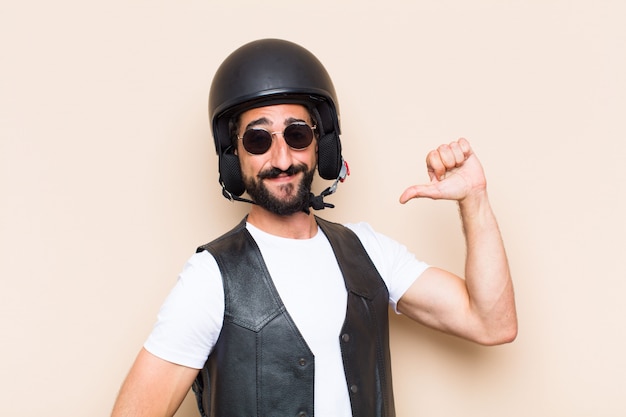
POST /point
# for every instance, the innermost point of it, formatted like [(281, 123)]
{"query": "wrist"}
[(476, 213), (474, 199)]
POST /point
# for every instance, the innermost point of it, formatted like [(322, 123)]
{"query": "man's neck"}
[(295, 226)]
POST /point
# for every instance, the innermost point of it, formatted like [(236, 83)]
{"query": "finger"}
[(419, 191), (436, 167), (447, 156), (465, 147), (457, 152)]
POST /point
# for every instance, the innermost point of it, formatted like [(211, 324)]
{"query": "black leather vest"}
[(262, 367)]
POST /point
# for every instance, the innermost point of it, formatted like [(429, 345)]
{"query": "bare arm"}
[(153, 387), (480, 307)]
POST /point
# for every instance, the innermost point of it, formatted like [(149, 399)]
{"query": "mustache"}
[(275, 172)]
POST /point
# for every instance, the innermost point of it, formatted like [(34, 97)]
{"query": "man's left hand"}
[(455, 173)]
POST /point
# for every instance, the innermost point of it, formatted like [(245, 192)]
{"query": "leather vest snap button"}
[(354, 388), (302, 414), (345, 337), (302, 361)]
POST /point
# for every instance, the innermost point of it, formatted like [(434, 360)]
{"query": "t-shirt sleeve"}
[(398, 267), (190, 319)]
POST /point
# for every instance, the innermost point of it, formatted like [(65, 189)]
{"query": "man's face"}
[(278, 180)]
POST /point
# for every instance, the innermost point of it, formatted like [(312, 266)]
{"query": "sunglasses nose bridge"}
[(276, 142), (276, 133)]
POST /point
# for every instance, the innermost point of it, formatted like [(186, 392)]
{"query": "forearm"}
[(487, 274)]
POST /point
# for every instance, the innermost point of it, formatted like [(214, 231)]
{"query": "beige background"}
[(108, 182)]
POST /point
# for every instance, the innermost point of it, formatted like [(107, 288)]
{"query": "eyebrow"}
[(265, 121)]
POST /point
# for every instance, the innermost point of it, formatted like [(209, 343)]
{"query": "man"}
[(286, 315)]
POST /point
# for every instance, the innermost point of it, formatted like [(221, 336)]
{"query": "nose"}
[(280, 152)]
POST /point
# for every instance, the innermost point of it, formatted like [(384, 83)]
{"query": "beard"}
[(295, 197)]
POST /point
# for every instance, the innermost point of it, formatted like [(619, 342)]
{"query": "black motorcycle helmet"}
[(267, 72)]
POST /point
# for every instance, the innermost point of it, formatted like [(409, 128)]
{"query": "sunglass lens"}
[(298, 136), (257, 141)]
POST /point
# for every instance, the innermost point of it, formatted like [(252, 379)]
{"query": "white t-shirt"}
[(309, 282)]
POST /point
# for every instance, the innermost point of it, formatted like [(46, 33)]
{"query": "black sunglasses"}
[(257, 141)]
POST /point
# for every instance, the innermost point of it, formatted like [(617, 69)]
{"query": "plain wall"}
[(108, 182)]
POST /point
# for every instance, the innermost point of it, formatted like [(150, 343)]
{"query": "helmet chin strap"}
[(315, 202), (232, 197)]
